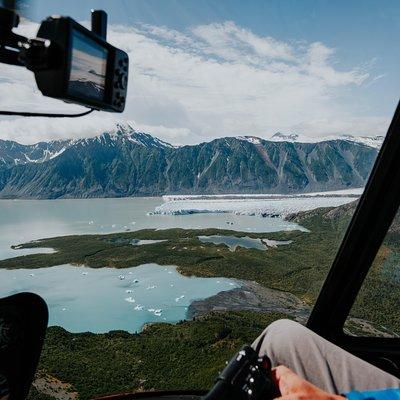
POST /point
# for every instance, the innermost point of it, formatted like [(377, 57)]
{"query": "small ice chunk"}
[(63, 309), (113, 225), (84, 273), (130, 299), (151, 310), (136, 281), (138, 307), (150, 287), (122, 277), (128, 291), (31, 274)]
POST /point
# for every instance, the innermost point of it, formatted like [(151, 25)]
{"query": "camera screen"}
[(88, 67)]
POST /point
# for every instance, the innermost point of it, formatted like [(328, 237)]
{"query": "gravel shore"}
[(251, 296)]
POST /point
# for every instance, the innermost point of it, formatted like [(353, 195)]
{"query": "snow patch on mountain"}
[(371, 141), (127, 132), (250, 139)]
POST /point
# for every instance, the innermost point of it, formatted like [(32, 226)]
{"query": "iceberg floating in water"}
[(130, 299), (139, 307)]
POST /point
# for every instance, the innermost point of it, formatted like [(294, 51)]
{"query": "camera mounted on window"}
[(70, 62)]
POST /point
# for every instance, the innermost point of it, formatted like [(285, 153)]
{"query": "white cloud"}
[(209, 81)]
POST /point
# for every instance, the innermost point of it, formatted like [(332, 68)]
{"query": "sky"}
[(202, 69)]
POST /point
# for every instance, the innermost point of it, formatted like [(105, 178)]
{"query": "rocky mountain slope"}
[(130, 163)]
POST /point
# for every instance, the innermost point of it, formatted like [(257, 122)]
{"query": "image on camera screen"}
[(88, 68)]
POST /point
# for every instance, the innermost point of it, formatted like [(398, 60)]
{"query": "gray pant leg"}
[(319, 361)]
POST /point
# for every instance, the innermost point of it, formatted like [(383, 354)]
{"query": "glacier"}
[(261, 205)]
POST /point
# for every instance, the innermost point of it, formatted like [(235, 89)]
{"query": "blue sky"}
[(352, 45)]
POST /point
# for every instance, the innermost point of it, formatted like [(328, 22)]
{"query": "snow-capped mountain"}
[(13, 153), (124, 162), (288, 137), (123, 134), (371, 141)]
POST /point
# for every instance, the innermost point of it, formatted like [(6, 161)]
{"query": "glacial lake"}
[(25, 220), (99, 300)]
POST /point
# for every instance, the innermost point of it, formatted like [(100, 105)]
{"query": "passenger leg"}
[(320, 362)]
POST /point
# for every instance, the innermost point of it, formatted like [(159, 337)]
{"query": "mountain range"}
[(125, 162)]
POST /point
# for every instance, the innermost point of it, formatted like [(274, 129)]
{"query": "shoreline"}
[(251, 296)]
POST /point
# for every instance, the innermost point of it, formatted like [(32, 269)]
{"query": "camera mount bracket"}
[(69, 62)]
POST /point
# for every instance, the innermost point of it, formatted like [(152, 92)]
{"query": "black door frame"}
[(372, 218)]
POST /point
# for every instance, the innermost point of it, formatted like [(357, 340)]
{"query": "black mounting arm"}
[(10, 42)]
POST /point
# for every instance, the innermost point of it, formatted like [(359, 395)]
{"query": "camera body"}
[(246, 377), (81, 67)]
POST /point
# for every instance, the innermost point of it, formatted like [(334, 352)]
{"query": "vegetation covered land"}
[(189, 354), (298, 268)]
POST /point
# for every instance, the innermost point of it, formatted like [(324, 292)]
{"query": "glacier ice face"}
[(254, 205)]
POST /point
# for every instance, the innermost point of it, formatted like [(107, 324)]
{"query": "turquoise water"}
[(233, 242), (247, 242), (99, 300)]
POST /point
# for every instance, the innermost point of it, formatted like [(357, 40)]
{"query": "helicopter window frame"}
[(372, 219)]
